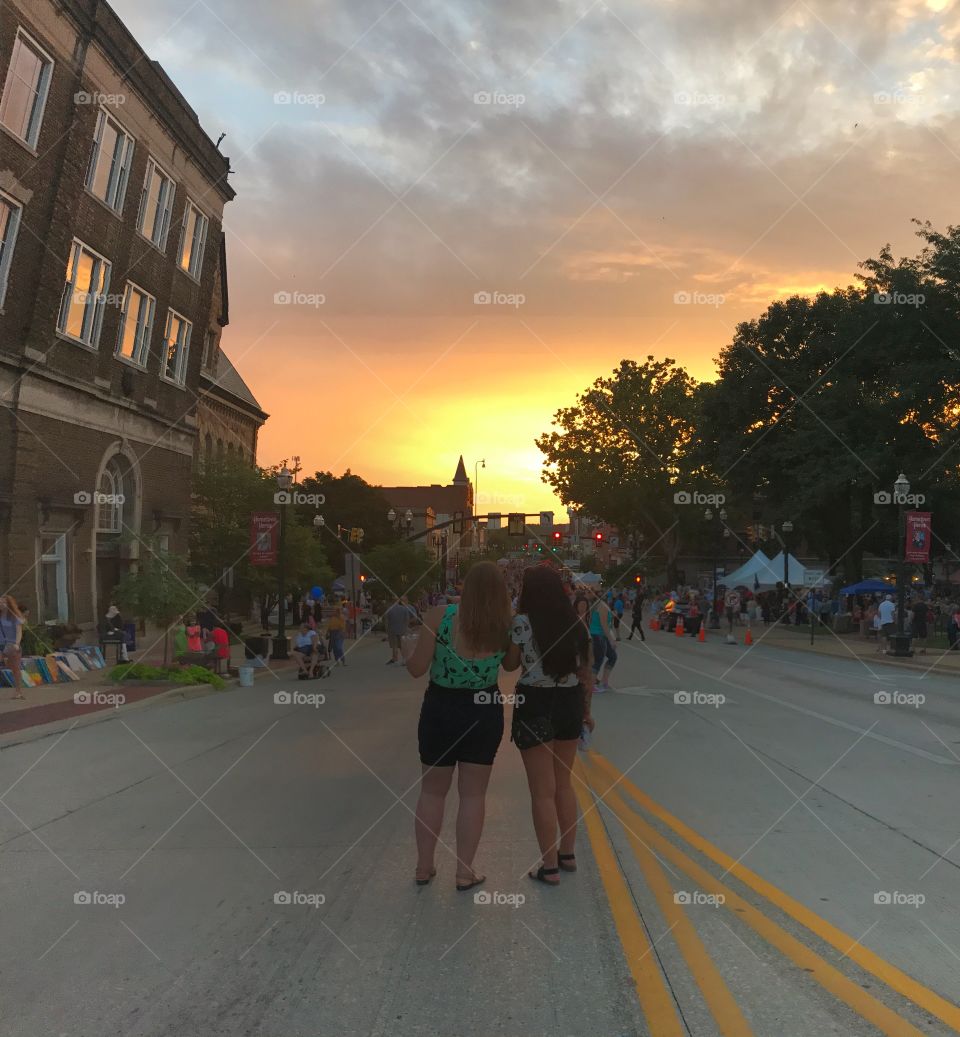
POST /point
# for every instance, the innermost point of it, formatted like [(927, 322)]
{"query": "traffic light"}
[(638, 578), (598, 537), (363, 577), (557, 535)]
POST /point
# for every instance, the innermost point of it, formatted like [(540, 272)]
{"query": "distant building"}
[(111, 247), (434, 505)]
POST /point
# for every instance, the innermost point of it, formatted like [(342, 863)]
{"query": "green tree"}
[(401, 568), (158, 590), (622, 451)]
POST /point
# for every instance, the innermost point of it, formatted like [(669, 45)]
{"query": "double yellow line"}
[(656, 1000)]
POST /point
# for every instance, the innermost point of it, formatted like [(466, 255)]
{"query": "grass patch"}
[(174, 674)]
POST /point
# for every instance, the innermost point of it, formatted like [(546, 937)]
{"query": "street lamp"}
[(401, 522), (787, 528), (318, 523), (440, 546), (284, 482), (482, 463), (722, 516), (901, 640)]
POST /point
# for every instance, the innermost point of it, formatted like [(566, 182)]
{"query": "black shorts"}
[(459, 725), (545, 714)]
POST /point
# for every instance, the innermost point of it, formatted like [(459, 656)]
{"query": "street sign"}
[(813, 577), (546, 520), (515, 523), (494, 520)]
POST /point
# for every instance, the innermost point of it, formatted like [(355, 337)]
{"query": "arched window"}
[(111, 497), (208, 445)]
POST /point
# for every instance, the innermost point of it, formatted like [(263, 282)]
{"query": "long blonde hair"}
[(11, 602), (485, 612)]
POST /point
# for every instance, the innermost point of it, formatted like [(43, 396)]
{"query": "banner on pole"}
[(264, 528), (919, 535)]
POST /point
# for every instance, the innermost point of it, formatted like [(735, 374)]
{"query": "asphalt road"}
[(736, 860)]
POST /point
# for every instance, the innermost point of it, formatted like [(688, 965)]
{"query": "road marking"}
[(655, 999), (883, 970), (944, 761)]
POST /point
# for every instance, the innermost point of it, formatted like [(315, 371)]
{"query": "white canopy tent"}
[(591, 579), (795, 570), (759, 569)]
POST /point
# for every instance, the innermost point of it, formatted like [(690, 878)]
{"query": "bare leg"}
[(434, 786), (13, 661), (472, 781), (564, 753), (541, 778)]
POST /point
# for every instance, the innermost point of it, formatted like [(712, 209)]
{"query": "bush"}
[(174, 674)]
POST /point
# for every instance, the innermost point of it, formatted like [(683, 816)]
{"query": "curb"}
[(181, 693)]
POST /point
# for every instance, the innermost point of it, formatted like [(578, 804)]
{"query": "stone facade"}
[(91, 400)]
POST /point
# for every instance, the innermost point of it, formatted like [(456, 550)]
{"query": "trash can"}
[(246, 676), (257, 649)]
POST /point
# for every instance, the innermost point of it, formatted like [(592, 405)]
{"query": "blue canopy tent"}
[(869, 587)]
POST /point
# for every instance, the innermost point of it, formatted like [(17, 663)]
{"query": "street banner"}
[(919, 535), (264, 529)]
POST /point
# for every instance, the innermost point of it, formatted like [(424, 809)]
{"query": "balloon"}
[(316, 592)]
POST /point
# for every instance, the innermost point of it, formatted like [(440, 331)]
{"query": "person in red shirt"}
[(221, 640)]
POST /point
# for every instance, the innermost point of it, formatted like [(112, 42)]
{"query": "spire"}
[(460, 477)]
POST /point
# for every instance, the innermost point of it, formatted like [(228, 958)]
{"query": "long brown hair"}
[(485, 612), (11, 602)]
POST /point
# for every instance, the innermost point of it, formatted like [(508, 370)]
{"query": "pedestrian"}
[(194, 636), (461, 720), (221, 646), (552, 708), (113, 628), (397, 620), (886, 611), (953, 628), (179, 639), (11, 634), (636, 617), (604, 653), (918, 626), (336, 625), (305, 651), (618, 609), (731, 603)]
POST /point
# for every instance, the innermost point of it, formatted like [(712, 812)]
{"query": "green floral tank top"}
[(451, 670)]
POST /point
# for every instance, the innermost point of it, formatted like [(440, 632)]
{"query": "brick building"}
[(436, 504), (111, 205)]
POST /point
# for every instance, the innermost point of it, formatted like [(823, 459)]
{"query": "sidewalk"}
[(843, 646), (48, 703)]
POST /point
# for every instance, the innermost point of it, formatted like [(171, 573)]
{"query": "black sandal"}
[(540, 875), (463, 887), (427, 880), (561, 857)]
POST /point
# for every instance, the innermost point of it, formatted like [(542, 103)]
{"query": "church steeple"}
[(460, 477)]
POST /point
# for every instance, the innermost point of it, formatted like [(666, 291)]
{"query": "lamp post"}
[(440, 546), (482, 463), (318, 524), (284, 482), (900, 645), (722, 516), (787, 528), (401, 523)]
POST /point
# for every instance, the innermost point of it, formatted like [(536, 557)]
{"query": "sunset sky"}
[(618, 156)]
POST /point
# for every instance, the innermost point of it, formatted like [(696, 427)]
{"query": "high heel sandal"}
[(567, 861)]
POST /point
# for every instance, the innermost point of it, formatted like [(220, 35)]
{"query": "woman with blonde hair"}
[(11, 632), (461, 721)]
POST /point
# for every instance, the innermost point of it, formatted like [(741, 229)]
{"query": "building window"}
[(9, 224), (54, 606), (193, 238), (25, 89), (176, 347), (209, 359), (110, 499), (156, 204), (84, 295), (136, 325), (110, 162)]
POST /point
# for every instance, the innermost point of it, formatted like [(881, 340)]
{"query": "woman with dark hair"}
[(11, 631), (461, 720), (552, 707)]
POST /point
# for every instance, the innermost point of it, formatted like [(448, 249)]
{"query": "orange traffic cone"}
[(702, 636), (654, 624), (748, 637), (679, 628)]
